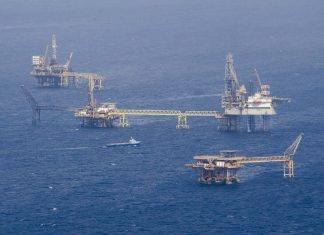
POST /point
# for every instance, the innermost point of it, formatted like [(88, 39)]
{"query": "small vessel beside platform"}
[(131, 142)]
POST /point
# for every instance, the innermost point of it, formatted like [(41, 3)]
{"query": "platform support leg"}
[(35, 116), (123, 121), (98, 84), (250, 123), (265, 122), (228, 180), (230, 123), (288, 167), (182, 122)]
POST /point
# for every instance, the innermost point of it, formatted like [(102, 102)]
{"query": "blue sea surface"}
[(57, 179)]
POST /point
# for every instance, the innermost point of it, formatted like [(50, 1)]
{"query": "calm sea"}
[(56, 179)]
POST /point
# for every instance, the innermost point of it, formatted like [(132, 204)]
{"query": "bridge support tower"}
[(250, 123), (123, 121), (182, 122), (288, 168), (265, 122)]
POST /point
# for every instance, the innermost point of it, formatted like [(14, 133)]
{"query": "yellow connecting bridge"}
[(78, 77), (108, 112), (182, 116)]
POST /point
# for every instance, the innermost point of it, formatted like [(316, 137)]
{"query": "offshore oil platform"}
[(239, 104), (108, 115), (236, 102), (50, 74), (223, 168)]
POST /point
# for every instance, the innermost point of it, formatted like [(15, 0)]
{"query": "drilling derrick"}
[(231, 96), (54, 51), (238, 105), (47, 73), (232, 99), (93, 116)]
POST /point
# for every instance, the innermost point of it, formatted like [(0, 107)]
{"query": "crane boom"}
[(68, 62), (258, 78), (291, 150), (36, 109), (31, 100), (45, 55)]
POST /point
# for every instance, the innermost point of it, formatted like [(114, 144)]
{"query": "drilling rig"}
[(240, 106), (49, 73), (93, 116)]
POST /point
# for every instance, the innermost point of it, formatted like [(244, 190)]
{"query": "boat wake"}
[(192, 97), (73, 148)]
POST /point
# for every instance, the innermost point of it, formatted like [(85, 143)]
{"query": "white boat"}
[(131, 142)]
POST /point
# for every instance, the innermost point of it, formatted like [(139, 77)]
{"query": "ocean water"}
[(56, 178)]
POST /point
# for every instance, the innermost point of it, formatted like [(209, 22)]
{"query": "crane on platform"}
[(223, 168), (258, 78), (45, 55), (238, 105), (36, 108), (68, 62), (263, 88)]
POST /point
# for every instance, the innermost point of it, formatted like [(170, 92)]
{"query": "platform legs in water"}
[(219, 176), (249, 123)]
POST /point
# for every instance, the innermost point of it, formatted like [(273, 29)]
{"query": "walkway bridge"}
[(77, 78), (182, 116), (104, 115), (97, 116)]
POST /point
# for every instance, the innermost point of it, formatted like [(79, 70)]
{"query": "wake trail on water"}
[(74, 148), (192, 97)]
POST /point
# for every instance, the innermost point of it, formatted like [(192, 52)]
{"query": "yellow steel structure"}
[(106, 114), (49, 73), (223, 168), (122, 115), (77, 77), (182, 116)]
